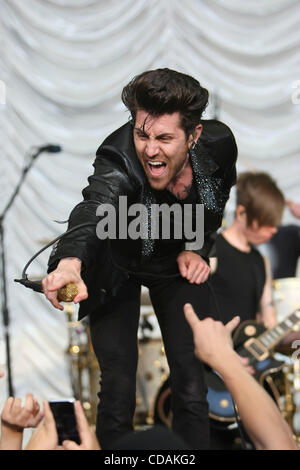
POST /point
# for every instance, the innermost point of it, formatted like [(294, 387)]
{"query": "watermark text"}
[(160, 221)]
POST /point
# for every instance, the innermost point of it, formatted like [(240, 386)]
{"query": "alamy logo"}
[(165, 222)]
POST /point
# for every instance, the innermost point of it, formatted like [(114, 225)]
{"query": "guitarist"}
[(241, 277)]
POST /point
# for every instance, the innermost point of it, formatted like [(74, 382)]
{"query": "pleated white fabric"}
[(62, 69)]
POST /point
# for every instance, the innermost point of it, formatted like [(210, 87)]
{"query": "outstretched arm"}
[(261, 418)]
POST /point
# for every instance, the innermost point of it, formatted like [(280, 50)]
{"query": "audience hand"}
[(87, 436), (45, 436), (15, 417), (212, 340)]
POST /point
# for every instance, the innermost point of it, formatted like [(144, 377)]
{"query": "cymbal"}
[(45, 241)]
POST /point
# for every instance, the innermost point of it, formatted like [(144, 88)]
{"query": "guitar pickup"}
[(257, 349)]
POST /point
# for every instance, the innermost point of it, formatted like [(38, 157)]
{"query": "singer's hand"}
[(193, 267), (67, 271)]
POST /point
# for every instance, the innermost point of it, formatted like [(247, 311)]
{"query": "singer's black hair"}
[(165, 91)]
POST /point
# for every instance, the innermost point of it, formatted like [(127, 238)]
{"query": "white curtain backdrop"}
[(63, 65)]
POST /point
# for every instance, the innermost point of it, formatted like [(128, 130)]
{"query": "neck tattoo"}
[(184, 192)]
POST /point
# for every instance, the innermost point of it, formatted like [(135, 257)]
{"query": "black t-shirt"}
[(172, 246), (238, 281)]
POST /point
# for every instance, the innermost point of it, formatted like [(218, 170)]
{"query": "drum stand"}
[(290, 399), (83, 365), (296, 400)]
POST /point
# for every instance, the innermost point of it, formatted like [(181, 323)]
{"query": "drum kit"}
[(153, 404)]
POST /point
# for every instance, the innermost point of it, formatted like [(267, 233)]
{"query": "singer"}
[(166, 154)]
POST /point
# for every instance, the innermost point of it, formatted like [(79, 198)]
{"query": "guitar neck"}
[(273, 336)]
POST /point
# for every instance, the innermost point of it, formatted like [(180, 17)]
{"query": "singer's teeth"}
[(156, 163)]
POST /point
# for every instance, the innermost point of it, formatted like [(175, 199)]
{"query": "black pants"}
[(114, 337)]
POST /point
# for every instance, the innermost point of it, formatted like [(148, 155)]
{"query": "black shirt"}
[(238, 281), (173, 246), (166, 250)]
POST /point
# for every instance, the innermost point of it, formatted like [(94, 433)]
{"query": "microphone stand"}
[(4, 305)]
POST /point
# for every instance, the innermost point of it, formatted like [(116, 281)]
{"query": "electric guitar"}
[(254, 341)]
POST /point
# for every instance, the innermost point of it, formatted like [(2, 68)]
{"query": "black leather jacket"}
[(118, 172)]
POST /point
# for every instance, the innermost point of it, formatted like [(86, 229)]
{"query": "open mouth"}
[(156, 168)]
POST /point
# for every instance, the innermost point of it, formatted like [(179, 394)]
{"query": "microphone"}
[(51, 148), (64, 294)]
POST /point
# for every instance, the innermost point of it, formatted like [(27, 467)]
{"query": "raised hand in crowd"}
[(45, 436), (262, 420), (88, 439), (212, 340), (15, 418)]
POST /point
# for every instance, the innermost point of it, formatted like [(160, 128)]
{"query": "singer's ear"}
[(197, 132), (194, 136)]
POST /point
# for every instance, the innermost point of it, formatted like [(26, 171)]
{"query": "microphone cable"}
[(37, 285)]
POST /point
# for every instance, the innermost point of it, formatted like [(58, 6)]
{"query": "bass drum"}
[(162, 406), (221, 408)]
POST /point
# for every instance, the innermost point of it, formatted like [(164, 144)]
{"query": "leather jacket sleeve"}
[(109, 181)]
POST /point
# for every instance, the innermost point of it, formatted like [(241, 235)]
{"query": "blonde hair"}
[(261, 197)]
